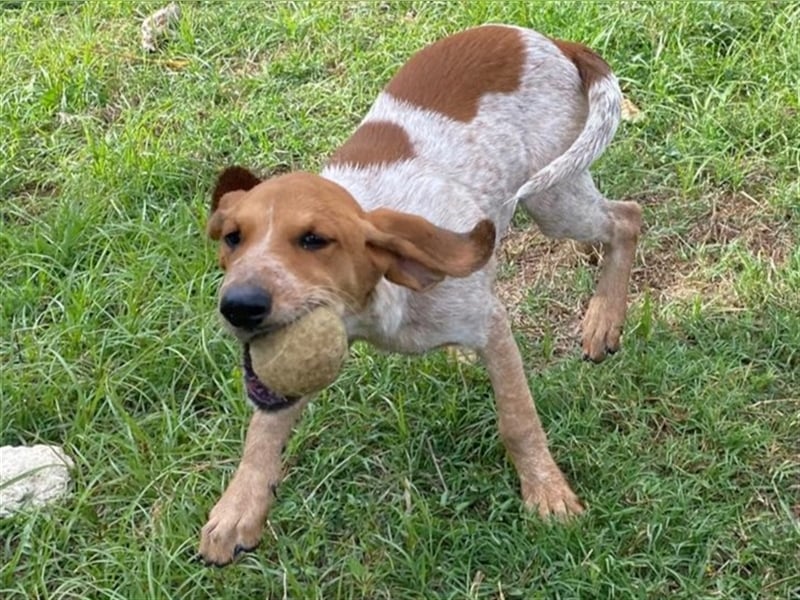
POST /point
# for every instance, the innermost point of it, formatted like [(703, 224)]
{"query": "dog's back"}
[(470, 119)]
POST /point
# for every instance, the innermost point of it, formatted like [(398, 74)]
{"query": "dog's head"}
[(297, 241)]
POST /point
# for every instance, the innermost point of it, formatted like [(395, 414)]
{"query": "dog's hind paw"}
[(602, 328)]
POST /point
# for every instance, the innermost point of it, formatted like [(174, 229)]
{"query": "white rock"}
[(158, 25), (32, 476)]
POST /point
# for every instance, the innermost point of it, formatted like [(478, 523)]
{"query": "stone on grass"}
[(32, 476), (159, 25)]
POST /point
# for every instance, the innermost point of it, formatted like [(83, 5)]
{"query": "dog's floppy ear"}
[(231, 185), (417, 254)]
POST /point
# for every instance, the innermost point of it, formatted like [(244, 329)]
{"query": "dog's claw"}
[(234, 526), (198, 558), (602, 328), (551, 496), (239, 549), (587, 357)]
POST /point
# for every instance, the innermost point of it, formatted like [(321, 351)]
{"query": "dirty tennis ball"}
[(302, 358)]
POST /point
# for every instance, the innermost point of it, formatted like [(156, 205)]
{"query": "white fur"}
[(521, 146)]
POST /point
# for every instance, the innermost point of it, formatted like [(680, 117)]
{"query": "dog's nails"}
[(588, 358), (611, 350), (239, 549), (215, 564), (198, 558)]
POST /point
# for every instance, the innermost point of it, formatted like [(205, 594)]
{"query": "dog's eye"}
[(311, 241), (233, 239)]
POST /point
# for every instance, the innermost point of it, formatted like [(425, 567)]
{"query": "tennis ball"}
[(303, 357)]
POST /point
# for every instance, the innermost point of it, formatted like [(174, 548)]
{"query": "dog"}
[(398, 234)]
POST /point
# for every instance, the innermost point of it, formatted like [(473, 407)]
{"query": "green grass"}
[(684, 445)]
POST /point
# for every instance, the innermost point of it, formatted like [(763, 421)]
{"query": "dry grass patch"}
[(529, 260), (676, 266)]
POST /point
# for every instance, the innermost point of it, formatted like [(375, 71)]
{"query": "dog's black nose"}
[(245, 306)]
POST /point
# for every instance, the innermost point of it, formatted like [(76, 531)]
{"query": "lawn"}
[(685, 446)]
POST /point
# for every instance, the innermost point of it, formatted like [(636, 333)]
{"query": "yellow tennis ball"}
[(302, 358)]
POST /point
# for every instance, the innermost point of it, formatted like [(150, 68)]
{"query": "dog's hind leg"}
[(575, 209), (543, 485)]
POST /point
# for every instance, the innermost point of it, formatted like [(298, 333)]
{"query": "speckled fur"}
[(463, 172), (532, 145)]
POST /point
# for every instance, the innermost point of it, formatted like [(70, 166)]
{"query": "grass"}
[(684, 445)]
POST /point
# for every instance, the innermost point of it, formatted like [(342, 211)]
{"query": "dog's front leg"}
[(544, 487), (237, 520)]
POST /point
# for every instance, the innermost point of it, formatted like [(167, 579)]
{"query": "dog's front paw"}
[(551, 495), (234, 526), (602, 328)]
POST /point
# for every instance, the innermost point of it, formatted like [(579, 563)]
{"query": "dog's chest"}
[(400, 320)]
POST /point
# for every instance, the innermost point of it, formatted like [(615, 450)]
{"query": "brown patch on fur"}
[(421, 254), (374, 143), (453, 74), (591, 67), (232, 179)]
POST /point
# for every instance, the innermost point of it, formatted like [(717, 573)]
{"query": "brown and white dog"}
[(398, 233)]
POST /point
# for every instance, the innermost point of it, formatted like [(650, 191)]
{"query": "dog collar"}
[(262, 397)]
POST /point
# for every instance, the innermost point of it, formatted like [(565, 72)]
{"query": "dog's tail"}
[(605, 100)]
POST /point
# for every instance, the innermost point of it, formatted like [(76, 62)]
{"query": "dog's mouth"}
[(248, 335), (262, 397), (260, 394)]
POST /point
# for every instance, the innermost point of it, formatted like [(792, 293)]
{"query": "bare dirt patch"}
[(764, 231), (669, 267), (530, 260), (26, 203)]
